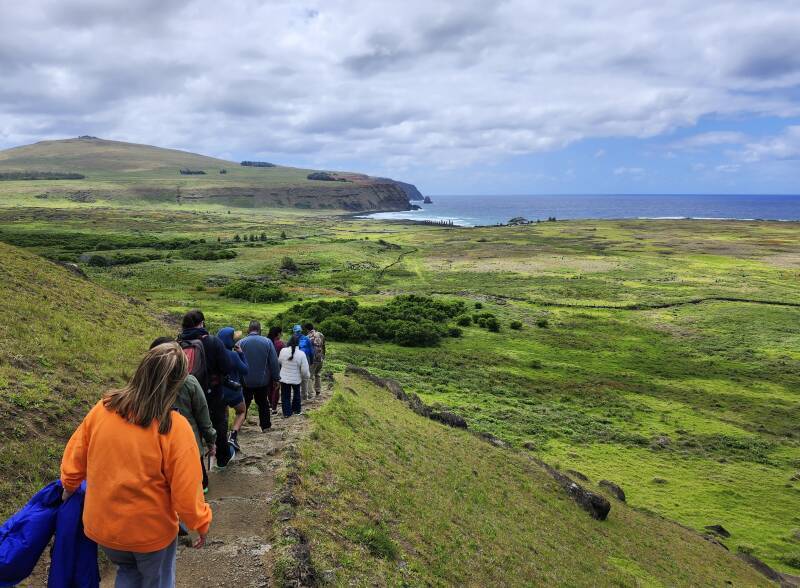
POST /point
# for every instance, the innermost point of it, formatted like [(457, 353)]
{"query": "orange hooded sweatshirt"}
[(138, 482)]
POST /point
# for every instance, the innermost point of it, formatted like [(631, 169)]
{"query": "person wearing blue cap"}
[(306, 347)]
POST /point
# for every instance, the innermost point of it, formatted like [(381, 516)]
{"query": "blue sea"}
[(491, 210)]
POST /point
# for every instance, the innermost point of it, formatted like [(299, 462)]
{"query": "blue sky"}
[(511, 96)]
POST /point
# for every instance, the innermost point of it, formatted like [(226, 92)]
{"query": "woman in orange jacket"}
[(142, 470)]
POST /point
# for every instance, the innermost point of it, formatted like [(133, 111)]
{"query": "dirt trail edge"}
[(241, 496)]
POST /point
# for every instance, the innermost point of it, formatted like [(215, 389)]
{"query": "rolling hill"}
[(124, 172)]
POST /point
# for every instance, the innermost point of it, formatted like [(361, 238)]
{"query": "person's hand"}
[(212, 451), (237, 348), (65, 495), (200, 541)]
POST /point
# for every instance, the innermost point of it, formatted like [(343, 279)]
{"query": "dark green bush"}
[(479, 305), (464, 320), (288, 264), (207, 253), (343, 328), (487, 320), (454, 332), (98, 261), (415, 321), (254, 292), (516, 325), (542, 323)]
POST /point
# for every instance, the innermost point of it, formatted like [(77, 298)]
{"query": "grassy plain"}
[(647, 354)]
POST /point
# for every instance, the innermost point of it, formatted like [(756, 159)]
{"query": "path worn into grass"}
[(237, 552)]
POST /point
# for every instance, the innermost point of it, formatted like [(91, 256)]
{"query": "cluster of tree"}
[(252, 237), (258, 164), (192, 172), (39, 175), (256, 292), (223, 171), (324, 177), (408, 320), (207, 253), (98, 260)]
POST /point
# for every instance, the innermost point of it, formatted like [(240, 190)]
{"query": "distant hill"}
[(116, 170)]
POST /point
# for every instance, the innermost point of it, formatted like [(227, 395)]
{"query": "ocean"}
[(490, 210)]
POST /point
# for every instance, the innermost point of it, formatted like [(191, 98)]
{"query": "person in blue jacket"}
[(308, 348), (232, 381), (264, 371)]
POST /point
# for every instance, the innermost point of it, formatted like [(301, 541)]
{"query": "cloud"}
[(629, 171), (712, 139), (413, 85), (785, 146)]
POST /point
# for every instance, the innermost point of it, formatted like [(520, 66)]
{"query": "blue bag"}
[(73, 560), (25, 535)]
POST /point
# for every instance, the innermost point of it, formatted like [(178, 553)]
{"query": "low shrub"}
[(487, 320), (516, 325), (254, 292), (411, 321), (464, 320), (542, 323), (207, 253), (288, 264), (454, 332)]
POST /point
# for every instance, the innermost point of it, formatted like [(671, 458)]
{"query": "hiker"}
[(213, 364), (139, 460), (232, 381), (318, 344), (308, 349), (274, 335), (263, 373), (191, 403), (294, 369)]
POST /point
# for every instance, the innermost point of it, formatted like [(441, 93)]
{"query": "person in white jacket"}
[(294, 369)]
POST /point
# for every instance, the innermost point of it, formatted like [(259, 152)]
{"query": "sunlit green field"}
[(661, 355)]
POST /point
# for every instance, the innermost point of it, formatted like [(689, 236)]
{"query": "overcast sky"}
[(517, 96)]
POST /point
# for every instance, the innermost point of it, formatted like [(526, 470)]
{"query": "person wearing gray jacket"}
[(264, 370)]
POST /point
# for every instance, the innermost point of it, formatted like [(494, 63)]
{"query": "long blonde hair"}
[(153, 389)]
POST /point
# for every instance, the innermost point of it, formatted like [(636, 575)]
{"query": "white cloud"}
[(712, 139), (785, 146), (629, 171), (728, 168), (407, 84)]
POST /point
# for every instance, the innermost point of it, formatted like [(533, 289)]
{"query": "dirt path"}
[(241, 535)]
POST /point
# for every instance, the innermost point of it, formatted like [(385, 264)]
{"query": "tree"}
[(263, 236), (283, 234), (237, 238)]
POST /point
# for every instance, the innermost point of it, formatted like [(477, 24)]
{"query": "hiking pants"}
[(144, 570), (305, 388), (316, 375), (290, 399), (261, 395), (275, 395), (218, 411)]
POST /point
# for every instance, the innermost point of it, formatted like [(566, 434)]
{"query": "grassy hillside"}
[(63, 340), (390, 498), (691, 408), (127, 172)]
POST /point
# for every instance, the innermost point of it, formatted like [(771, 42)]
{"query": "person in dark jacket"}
[(274, 335), (232, 381), (217, 365), (263, 371)]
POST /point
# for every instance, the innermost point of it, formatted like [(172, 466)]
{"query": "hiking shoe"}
[(234, 441)]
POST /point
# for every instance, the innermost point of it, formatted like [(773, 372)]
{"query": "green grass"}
[(390, 498), (591, 391), (63, 341)]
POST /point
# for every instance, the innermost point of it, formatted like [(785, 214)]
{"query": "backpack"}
[(196, 354)]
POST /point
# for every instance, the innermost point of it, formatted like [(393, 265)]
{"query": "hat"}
[(297, 329)]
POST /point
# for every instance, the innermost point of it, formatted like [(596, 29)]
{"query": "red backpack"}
[(196, 354)]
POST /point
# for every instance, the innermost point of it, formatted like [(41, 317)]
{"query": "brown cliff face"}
[(346, 196)]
